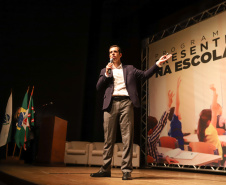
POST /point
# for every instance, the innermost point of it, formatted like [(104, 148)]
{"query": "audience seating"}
[(118, 149), (76, 152), (96, 153), (87, 153)]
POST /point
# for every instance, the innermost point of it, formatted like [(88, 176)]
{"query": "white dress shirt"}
[(119, 83)]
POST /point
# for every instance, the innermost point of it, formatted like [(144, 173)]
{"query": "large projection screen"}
[(195, 72)]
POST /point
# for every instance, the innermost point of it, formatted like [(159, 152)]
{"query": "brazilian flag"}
[(22, 122)]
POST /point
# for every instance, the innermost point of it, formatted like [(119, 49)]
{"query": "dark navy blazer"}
[(131, 75)]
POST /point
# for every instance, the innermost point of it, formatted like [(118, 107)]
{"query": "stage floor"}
[(79, 175)]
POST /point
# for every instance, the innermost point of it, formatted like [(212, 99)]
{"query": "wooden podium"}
[(52, 140)]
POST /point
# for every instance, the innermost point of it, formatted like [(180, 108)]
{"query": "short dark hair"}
[(151, 122), (119, 49)]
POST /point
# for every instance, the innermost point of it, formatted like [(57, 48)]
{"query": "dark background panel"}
[(61, 46)]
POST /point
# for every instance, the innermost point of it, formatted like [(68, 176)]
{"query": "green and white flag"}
[(22, 122), (5, 137), (30, 121)]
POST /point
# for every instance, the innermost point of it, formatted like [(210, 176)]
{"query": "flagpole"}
[(7, 145), (32, 91), (14, 149), (11, 123), (20, 151), (6, 154)]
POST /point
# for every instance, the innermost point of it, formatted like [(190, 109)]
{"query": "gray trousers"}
[(121, 112)]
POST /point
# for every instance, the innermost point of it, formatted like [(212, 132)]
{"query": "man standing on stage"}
[(121, 96)]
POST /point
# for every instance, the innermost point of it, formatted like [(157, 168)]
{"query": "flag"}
[(30, 121), (31, 110), (5, 137), (22, 122)]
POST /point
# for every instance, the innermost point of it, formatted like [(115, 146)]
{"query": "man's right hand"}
[(109, 66)]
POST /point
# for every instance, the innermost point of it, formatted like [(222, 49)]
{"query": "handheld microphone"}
[(111, 61)]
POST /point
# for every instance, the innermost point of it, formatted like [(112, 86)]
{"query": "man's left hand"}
[(163, 59)]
